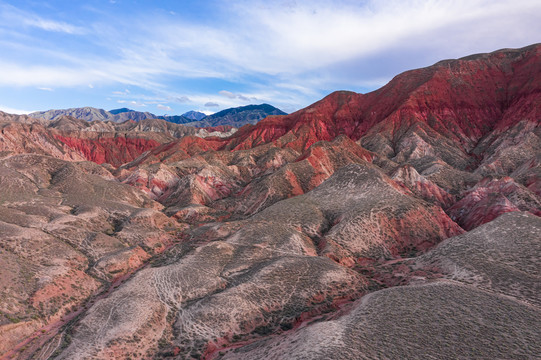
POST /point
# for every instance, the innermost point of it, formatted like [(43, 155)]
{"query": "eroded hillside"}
[(397, 224)]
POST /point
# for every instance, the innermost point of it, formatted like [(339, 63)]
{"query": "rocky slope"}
[(402, 223), (94, 114), (67, 229), (101, 142), (84, 113), (464, 309)]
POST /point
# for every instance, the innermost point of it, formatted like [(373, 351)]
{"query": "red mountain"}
[(462, 100)]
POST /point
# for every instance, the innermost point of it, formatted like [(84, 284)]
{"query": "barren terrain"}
[(402, 223)]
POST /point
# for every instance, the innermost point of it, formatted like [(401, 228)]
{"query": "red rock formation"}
[(115, 150), (178, 150), (491, 198), (422, 187), (461, 100), (21, 138), (296, 176)]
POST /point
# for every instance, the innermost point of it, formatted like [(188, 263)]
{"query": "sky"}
[(169, 57)]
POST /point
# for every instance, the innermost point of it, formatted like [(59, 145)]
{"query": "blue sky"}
[(168, 57)]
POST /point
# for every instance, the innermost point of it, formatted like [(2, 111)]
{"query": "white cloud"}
[(201, 99), (14, 74), (45, 89), (314, 34), (180, 99), (164, 107), (17, 16), (227, 94), (230, 95), (132, 102), (206, 111), (50, 25), (302, 36), (125, 92), (211, 104), (297, 48), (11, 110)]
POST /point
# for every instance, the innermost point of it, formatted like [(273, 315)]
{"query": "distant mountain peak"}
[(194, 115), (239, 116), (85, 113), (119, 111)]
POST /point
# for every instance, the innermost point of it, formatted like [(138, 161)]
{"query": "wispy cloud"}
[(15, 15), (56, 26), (164, 107), (285, 53), (121, 93), (132, 103), (227, 94), (230, 95), (14, 74), (10, 110), (180, 99)]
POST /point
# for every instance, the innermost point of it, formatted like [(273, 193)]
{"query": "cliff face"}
[(301, 236), (115, 150)]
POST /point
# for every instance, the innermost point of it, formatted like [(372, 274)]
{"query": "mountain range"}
[(398, 224), (239, 116), (194, 115), (235, 117)]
